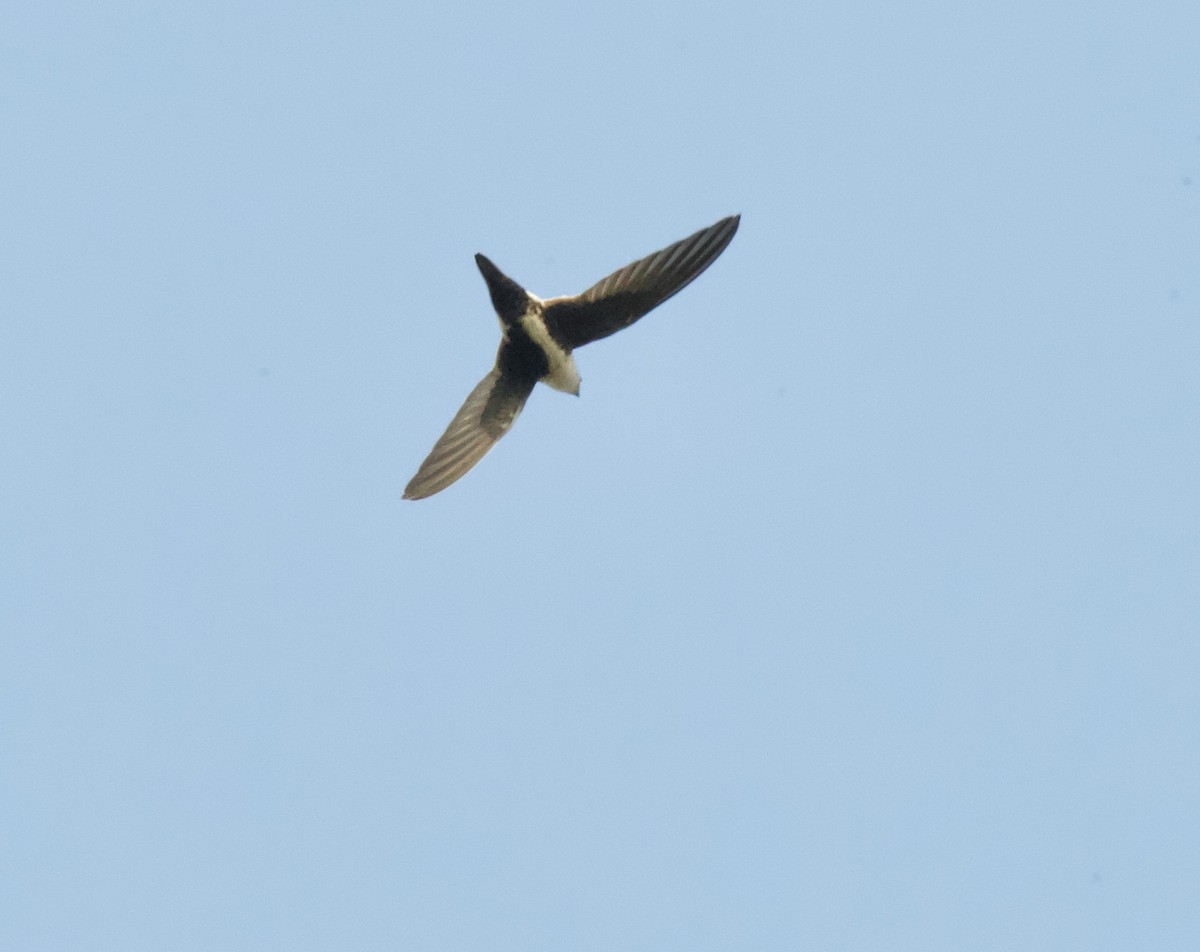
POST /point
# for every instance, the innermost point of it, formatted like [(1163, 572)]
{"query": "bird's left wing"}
[(486, 416)]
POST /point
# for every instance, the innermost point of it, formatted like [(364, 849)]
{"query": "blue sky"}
[(853, 605)]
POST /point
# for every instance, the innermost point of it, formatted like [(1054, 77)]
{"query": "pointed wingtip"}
[(421, 489), (727, 227)]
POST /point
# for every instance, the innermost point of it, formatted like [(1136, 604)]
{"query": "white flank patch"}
[(563, 374)]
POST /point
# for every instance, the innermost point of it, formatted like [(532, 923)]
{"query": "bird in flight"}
[(537, 338)]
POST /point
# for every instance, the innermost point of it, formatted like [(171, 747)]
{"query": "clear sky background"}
[(854, 605)]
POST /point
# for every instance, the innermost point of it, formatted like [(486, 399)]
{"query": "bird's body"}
[(561, 372), (538, 337)]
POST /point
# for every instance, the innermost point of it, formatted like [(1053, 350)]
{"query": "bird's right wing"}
[(629, 293), (486, 416)]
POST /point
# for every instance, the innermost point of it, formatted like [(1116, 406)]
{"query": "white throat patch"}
[(563, 374)]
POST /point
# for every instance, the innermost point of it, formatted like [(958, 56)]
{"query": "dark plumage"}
[(538, 337)]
